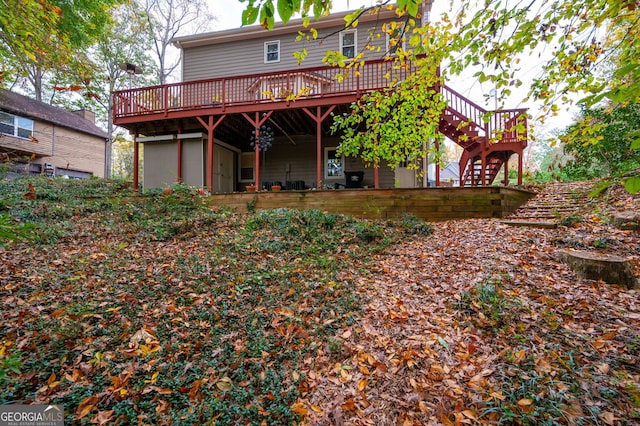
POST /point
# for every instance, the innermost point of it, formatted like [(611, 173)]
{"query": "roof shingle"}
[(30, 108)]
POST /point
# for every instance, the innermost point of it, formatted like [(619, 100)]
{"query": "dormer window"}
[(348, 42), (272, 51)]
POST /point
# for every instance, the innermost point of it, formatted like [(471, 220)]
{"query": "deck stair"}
[(488, 138), (552, 205)]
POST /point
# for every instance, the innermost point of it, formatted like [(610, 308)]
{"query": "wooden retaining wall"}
[(431, 204)]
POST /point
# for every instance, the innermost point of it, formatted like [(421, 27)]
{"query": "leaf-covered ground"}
[(160, 310)]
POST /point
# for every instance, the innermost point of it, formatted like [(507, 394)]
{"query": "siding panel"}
[(247, 56)]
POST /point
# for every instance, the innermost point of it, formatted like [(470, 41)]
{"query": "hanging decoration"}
[(264, 139)]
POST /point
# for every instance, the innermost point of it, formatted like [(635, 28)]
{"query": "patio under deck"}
[(429, 204), (300, 102)]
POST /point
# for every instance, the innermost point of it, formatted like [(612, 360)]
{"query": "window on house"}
[(348, 43), (72, 174), (333, 164), (13, 125), (247, 164), (272, 51)]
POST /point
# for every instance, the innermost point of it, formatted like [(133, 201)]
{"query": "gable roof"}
[(30, 108)]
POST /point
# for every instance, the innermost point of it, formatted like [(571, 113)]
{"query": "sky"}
[(229, 12)]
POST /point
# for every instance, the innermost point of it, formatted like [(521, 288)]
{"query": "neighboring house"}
[(241, 82), (449, 175), (50, 140)]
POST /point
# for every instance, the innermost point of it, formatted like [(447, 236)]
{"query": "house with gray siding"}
[(40, 138), (242, 83)]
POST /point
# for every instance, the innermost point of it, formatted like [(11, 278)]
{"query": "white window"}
[(15, 126), (272, 51), (333, 164), (348, 43)]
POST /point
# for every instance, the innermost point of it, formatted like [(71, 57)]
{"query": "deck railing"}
[(308, 83), (318, 82)]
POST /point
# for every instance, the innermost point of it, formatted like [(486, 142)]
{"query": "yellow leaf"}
[(146, 350), (299, 408), (52, 380), (498, 395), (224, 384), (470, 414), (362, 384), (525, 404), (86, 406)]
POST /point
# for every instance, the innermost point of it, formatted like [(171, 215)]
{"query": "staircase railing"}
[(465, 109), (497, 127), (506, 125)]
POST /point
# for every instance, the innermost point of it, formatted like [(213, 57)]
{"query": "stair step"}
[(530, 224)]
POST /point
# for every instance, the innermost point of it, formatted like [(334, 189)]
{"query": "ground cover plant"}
[(161, 309)]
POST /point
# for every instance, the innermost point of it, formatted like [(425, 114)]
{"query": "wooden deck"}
[(431, 204)]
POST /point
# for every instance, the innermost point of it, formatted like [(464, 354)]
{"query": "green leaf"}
[(286, 8), (632, 185), (443, 342), (249, 15)]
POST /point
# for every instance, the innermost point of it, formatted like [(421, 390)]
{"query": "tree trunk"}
[(595, 266), (627, 221)]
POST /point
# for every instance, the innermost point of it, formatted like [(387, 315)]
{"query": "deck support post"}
[(256, 123), (483, 170), (179, 155), (376, 176), (506, 170), (319, 117), (136, 159), (211, 124), (437, 162), (473, 172), (520, 167)]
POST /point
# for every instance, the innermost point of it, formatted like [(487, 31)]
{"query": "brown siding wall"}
[(42, 132), (77, 151), (62, 147)]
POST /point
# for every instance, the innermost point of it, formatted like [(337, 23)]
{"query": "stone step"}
[(531, 224)]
